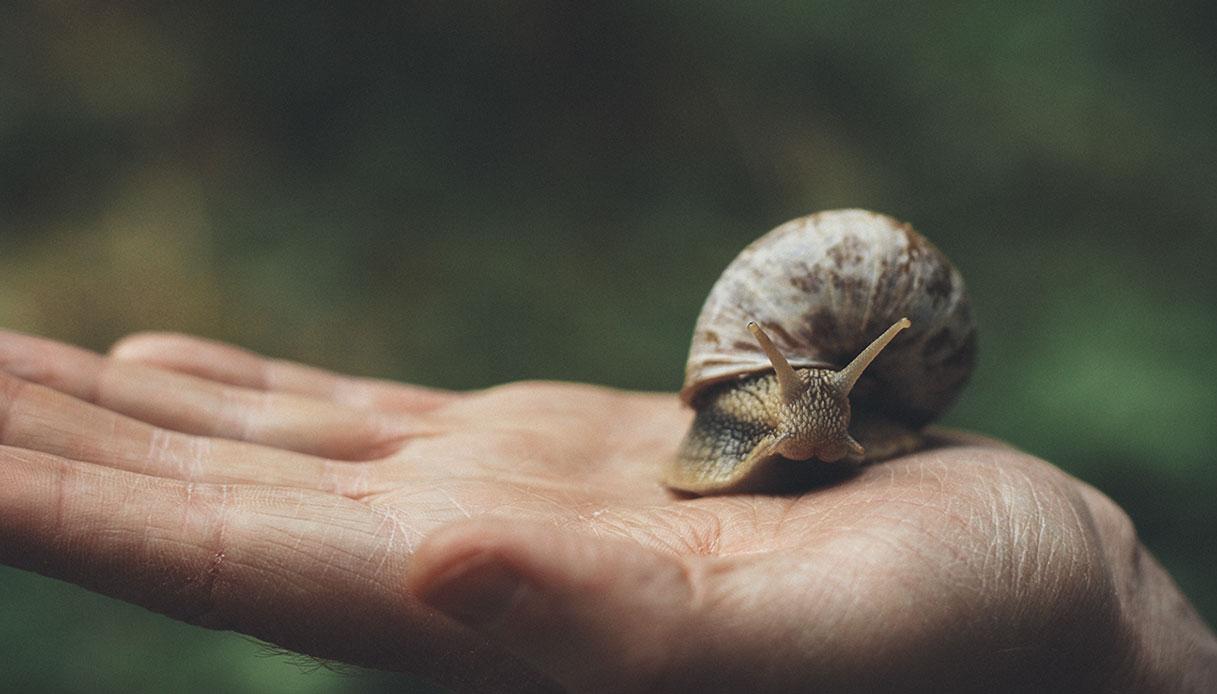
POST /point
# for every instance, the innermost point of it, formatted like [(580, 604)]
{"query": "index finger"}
[(224, 363)]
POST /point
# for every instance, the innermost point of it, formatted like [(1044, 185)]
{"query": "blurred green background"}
[(464, 193)]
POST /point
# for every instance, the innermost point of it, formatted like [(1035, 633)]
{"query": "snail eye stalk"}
[(788, 381), (847, 377)]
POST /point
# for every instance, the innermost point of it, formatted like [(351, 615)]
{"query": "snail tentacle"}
[(788, 380), (847, 377)]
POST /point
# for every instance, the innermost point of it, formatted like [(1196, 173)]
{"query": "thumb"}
[(591, 613)]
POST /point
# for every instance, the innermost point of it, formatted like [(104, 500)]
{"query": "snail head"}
[(814, 408)]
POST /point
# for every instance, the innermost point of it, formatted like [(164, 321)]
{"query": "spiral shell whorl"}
[(824, 286)]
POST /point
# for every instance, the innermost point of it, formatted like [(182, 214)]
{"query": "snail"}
[(836, 336)]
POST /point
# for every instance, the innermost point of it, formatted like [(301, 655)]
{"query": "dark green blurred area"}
[(459, 194)]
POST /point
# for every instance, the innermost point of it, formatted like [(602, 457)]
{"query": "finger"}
[(194, 405), (228, 364), (308, 571), (592, 614), (41, 419), (175, 547)]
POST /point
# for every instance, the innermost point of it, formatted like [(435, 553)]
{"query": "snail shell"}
[(822, 288)]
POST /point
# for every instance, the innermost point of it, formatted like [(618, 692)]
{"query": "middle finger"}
[(193, 405), (38, 418)]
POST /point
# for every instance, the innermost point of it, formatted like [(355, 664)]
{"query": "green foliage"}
[(459, 194)]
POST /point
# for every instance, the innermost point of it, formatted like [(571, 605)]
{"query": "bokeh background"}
[(464, 193)]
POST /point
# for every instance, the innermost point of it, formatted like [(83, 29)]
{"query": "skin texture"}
[(517, 538)]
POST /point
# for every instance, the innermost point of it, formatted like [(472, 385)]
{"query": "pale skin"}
[(517, 538)]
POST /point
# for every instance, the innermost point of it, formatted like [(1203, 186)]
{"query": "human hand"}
[(517, 537)]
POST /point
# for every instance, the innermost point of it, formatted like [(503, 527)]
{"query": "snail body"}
[(839, 335)]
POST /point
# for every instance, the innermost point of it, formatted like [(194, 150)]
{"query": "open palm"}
[(518, 537)]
